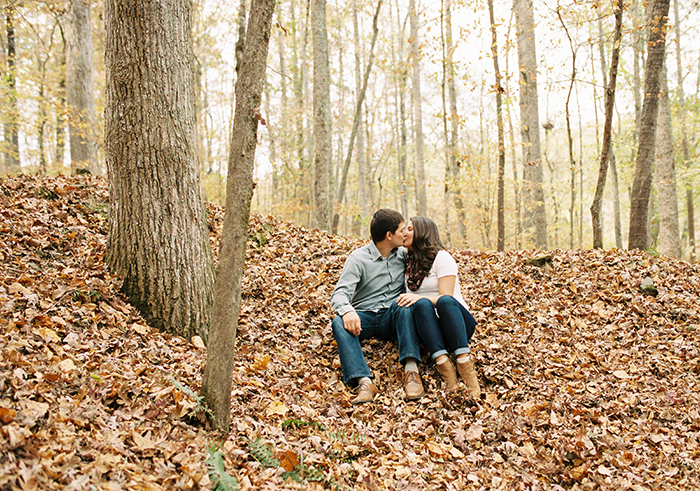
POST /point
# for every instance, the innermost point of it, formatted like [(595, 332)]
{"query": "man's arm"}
[(341, 298)]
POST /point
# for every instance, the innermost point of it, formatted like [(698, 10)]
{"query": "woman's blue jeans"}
[(392, 323), (445, 327)]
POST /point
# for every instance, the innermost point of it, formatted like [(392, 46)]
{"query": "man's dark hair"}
[(383, 221)]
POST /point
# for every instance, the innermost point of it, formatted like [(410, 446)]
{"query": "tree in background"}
[(690, 208), (641, 186), (610, 87), (534, 213), (11, 124), (218, 372), (667, 191), (79, 87), (501, 220), (158, 239), (418, 137), (322, 117)]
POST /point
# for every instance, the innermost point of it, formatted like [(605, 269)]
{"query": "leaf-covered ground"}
[(587, 382)]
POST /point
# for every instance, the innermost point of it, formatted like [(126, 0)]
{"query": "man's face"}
[(398, 236)]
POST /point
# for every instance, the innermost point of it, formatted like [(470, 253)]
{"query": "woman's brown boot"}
[(465, 366), (448, 373)]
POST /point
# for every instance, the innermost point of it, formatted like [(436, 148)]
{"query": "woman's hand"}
[(407, 299)]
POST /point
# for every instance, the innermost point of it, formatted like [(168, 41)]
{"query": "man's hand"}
[(352, 324), (407, 299)]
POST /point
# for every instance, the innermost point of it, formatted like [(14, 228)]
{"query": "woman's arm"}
[(446, 286)]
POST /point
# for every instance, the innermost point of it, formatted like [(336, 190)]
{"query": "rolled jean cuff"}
[(403, 357), (462, 351), (440, 353)]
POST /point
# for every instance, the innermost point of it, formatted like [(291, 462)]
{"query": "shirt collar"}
[(376, 255), (374, 252)]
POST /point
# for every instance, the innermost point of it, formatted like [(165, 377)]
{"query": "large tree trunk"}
[(596, 206), (641, 186), (218, 372), (501, 225), (158, 240), (418, 138), (534, 214), (11, 124), (669, 233), (322, 117), (79, 88), (690, 207)]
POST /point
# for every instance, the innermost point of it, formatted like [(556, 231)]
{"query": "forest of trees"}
[(488, 117)]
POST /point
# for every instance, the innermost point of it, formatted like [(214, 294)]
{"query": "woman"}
[(441, 315)]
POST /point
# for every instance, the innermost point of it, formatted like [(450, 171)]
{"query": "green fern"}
[(221, 481), (298, 423), (262, 453), (201, 405)]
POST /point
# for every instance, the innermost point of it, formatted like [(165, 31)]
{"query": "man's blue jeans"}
[(448, 333), (394, 322)]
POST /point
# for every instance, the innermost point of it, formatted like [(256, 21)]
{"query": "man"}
[(365, 301)]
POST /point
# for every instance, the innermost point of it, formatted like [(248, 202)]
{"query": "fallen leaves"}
[(588, 382)]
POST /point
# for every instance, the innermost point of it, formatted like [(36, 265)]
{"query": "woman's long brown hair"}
[(426, 243)]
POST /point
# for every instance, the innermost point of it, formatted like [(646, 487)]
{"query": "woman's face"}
[(408, 241)]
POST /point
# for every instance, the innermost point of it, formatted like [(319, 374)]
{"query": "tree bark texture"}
[(322, 118), (418, 137), (596, 206), (79, 88), (641, 185), (218, 372), (158, 239), (11, 124), (669, 233), (534, 213)]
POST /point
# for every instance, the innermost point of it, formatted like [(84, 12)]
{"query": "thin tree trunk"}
[(533, 193), (158, 239), (300, 190), (402, 132), (513, 153), (612, 161), (362, 167), (684, 136), (641, 185), (569, 138), (218, 371), (418, 137), (79, 88), (59, 156), (501, 216), (322, 117), (669, 234), (444, 13), (596, 206), (11, 125), (356, 120)]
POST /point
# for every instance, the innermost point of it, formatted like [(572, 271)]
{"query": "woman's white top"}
[(443, 265)]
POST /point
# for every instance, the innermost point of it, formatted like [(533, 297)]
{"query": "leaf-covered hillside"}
[(588, 383)]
